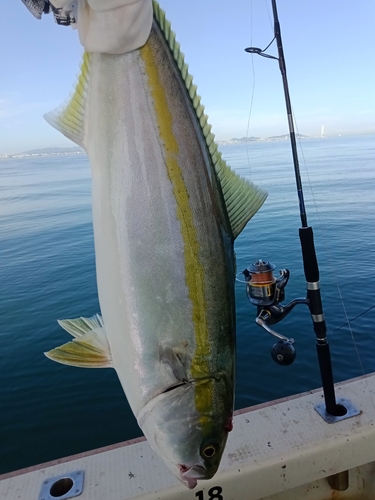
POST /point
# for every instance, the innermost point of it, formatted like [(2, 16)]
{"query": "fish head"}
[(188, 427)]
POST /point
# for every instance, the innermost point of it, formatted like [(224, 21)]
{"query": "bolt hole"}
[(61, 487)]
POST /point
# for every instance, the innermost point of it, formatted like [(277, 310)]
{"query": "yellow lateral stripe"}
[(194, 271)]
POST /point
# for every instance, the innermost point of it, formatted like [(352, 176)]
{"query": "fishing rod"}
[(266, 292)]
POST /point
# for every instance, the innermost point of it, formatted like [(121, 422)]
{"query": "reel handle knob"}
[(283, 352)]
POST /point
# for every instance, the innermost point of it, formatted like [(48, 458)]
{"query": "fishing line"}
[(330, 259), (353, 319), (252, 93), (269, 15), (253, 71), (249, 118), (348, 322)]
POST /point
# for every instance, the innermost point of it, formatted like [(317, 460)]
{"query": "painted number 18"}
[(214, 493)]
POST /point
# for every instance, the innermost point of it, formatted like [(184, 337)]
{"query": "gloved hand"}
[(107, 26)]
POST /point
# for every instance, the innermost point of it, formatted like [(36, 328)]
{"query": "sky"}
[(328, 47)]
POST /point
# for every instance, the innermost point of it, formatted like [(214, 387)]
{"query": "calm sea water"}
[(47, 272)]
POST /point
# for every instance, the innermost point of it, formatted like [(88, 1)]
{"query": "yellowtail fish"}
[(166, 211)]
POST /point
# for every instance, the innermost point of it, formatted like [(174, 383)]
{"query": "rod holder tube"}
[(325, 365), (339, 481)]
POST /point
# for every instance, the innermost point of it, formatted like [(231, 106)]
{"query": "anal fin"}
[(89, 349)]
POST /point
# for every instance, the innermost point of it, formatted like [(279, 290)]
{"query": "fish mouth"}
[(190, 475)]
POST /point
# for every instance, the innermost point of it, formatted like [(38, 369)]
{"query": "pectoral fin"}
[(177, 360), (89, 349)]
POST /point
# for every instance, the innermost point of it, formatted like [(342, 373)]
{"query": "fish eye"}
[(208, 451)]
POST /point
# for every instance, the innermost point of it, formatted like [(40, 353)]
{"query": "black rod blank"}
[(310, 261), (282, 66)]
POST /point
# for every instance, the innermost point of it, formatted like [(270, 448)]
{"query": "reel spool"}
[(262, 288), (266, 292)]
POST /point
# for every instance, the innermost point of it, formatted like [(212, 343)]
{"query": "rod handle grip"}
[(310, 262)]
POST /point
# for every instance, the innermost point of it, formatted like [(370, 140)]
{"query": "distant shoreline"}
[(28, 154), (76, 151), (274, 138), (45, 152)]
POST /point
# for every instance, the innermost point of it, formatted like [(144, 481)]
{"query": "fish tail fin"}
[(69, 119), (89, 349)]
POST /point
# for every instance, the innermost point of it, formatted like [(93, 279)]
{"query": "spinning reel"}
[(267, 292)]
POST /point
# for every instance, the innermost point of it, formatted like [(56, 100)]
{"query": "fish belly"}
[(163, 256)]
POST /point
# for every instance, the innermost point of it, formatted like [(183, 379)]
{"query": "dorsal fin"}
[(242, 198), (70, 117)]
